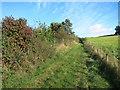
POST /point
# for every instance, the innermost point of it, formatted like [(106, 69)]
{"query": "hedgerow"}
[(15, 37)]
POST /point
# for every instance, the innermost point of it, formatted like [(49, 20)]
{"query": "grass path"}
[(69, 70)]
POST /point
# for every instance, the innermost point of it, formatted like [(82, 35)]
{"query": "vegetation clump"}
[(24, 46)]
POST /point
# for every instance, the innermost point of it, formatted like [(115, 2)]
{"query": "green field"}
[(74, 68), (107, 44)]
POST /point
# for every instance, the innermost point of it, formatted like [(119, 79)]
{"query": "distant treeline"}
[(107, 35)]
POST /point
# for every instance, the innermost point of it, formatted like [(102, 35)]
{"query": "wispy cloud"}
[(62, 0), (61, 8), (67, 13), (54, 11), (31, 1), (38, 4), (44, 4), (89, 19)]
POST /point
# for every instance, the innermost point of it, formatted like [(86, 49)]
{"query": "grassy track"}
[(69, 70)]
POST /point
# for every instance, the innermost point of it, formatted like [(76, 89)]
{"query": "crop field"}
[(71, 69)]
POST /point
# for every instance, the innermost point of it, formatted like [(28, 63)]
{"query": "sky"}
[(89, 19)]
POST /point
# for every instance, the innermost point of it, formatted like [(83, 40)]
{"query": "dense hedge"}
[(15, 37), (16, 31), (22, 43)]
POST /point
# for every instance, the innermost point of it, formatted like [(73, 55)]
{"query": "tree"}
[(117, 30), (54, 27), (68, 26), (44, 33), (63, 30)]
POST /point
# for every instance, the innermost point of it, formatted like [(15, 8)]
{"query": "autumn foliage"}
[(16, 35), (16, 30)]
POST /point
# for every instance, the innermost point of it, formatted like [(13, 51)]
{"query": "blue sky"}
[(90, 19)]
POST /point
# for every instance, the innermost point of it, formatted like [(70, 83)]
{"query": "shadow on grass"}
[(105, 70)]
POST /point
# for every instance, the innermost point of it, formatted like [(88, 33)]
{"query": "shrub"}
[(15, 37), (16, 31), (81, 40)]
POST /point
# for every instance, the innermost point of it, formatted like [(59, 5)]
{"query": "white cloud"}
[(98, 28)]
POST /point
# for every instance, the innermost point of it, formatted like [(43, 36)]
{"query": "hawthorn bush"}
[(16, 30), (15, 37)]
